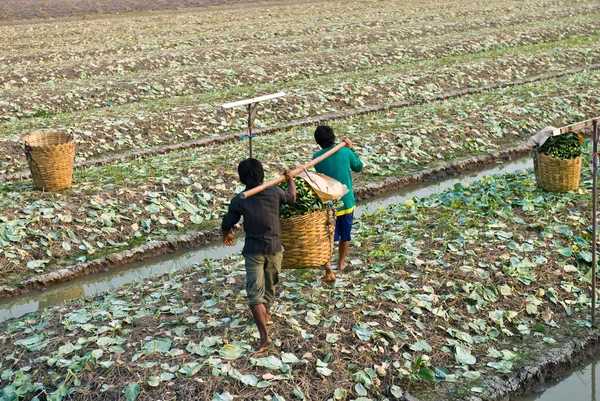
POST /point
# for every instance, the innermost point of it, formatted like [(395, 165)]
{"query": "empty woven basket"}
[(307, 240), (556, 175), (50, 155)]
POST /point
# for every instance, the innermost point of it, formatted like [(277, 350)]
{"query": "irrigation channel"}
[(579, 383), (20, 305)]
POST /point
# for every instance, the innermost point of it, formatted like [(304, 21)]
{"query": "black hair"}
[(251, 172), (324, 136)]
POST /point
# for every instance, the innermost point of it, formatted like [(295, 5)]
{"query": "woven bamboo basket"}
[(556, 175), (50, 155), (307, 240)]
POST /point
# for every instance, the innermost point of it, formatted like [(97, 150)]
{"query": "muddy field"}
[(42, 9), (135, 82), (442, 290), (442, 293)]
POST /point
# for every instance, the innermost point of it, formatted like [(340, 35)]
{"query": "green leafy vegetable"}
[(565, 146), (306, 200)]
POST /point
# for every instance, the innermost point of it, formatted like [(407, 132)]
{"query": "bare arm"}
[(355, 163), (291, 184)]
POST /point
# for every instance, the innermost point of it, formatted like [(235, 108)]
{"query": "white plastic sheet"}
[(326, 187)]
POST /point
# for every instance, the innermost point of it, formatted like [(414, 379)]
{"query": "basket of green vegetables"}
[(557, 163), (306, 229)]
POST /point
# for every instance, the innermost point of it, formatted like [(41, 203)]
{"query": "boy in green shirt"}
[(339, 166)]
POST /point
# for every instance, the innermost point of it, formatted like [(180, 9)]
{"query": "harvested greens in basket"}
[(565, 146), (306, 200)]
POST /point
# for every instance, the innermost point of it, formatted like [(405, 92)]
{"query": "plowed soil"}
[(27, 9)]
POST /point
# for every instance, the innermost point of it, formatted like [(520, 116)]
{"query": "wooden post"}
[(594, 202), (250, 128), (293, 173), (592, 122), (594, 380), (252, 106)]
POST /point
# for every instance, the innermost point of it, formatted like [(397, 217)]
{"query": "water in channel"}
[(99, 282), (578, 385)]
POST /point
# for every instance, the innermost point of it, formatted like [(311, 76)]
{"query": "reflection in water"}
[(578, 384), (594, 381), (99, 282), (62, 295)]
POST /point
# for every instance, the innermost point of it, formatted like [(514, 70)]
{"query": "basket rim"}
[(305, 214), (69, 136), (536, 154)]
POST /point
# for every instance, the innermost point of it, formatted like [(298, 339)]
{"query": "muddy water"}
[(578, 385), (100, 282), (104, 281)]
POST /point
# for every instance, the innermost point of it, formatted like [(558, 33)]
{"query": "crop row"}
[(133, 201), (95, 92), (170, 30), (152, 123), (444, 289), (205, 24), (186, 36), (475, 35)]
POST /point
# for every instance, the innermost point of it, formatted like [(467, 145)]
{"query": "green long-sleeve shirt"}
[(339, 166)]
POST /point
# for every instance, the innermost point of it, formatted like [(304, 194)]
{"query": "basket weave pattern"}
[(556, 175), (307, 240), (50, 157)]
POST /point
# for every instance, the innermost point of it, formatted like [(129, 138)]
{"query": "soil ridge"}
[(215, 140), (187, 241)]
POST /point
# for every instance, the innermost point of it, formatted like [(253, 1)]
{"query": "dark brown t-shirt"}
[(261, 219)]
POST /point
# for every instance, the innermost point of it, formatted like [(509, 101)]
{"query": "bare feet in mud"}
[(264, 346), (329, 275)]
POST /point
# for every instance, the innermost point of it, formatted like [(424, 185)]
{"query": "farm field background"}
[(136, 81), (446, 296), (449, 295)]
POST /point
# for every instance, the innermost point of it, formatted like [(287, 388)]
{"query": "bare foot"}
[(342, 267), (329, 276), (264, 346)]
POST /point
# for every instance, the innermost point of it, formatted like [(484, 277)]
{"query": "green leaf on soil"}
[(161, 345), (153, 381), (463, 355), (190, 369), (269, 362), (132, 391), (231, 351), (332, 338), (360, 389)]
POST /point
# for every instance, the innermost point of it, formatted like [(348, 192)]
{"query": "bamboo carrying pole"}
[(592, 122), (293, 173)]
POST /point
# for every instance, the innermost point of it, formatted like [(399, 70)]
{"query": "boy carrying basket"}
[(262, 251), (339, 166)]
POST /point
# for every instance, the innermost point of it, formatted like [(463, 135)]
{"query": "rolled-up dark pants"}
[(262, 274)]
